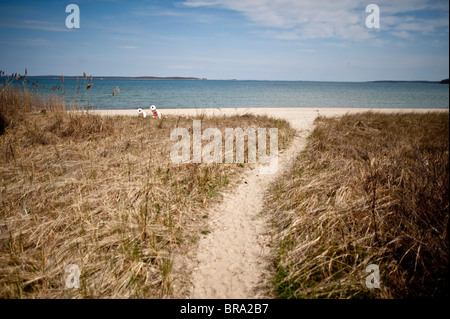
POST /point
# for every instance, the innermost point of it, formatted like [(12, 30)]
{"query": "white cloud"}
[(35, 42), (195, 4), (308, 19), (181, 67), (401, 34), (282, 35), (34, 25), (307, 50), (302, 19)]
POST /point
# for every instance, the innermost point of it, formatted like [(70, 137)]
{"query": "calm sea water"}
[(244, 94)]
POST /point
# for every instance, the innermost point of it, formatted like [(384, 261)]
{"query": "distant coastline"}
[(116, 77), (445, 81), (389, 81)]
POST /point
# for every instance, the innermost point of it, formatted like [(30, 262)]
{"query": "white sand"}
[(232, 259), (298, 117), (230, 262)]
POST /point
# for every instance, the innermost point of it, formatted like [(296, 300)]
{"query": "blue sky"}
[(310, 40)]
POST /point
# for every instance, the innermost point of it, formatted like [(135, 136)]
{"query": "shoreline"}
[(298, 117)]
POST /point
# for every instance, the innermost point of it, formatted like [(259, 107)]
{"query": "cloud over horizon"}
[(311, 19)]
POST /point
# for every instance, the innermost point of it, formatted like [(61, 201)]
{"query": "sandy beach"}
[(231, 261), (298, 117)]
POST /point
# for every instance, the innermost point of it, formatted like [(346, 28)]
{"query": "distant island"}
[(393, 81), (445, 81)]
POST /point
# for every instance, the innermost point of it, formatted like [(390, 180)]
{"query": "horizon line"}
[(149, 77)]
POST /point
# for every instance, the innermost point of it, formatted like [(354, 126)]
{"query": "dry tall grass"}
[(101, 193), (368, 189)]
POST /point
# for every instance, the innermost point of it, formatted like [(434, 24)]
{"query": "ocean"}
[(135, 93)]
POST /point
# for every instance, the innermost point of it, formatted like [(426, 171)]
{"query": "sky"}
[(305, 40)]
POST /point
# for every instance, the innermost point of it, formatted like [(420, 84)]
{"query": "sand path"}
[(230, 261), (232, 258)]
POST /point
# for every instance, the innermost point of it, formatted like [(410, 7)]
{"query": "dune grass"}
[(368, 189), (101, 193)]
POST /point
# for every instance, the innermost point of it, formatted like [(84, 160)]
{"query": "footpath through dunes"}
[(231, 260)]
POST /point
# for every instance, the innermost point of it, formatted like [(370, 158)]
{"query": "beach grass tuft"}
[(369, 189)]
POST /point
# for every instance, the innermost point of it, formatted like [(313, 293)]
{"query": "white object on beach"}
[(142, 113), (155, 112)]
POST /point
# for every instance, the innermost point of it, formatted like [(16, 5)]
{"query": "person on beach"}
[(142, 113), (155, 112)]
